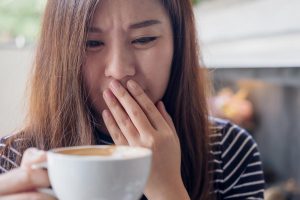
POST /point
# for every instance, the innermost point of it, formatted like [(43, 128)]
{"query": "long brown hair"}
[(185, 100), (57, 106), (58, 110)]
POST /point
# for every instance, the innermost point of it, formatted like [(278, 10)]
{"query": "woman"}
[(126, 72)]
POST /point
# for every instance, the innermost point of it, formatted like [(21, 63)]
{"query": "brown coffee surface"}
[(108, 151)]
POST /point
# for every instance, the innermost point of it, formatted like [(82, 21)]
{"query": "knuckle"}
[(150, 142), (122, 92), (149, 108), (135, 113), (126, 121), (139, 92), (29, 152)]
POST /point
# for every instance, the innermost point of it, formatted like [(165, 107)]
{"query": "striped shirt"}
[(237, 168)]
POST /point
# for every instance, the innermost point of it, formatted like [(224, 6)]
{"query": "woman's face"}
[(128, 39)]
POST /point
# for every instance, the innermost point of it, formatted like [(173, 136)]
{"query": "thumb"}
[(33, 156)]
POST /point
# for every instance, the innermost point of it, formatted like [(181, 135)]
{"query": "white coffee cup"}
[(112, 173)]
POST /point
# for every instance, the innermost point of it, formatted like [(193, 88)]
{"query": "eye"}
[(143, 41), (94, 44)]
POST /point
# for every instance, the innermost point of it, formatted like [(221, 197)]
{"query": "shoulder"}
[(230, 137), (10, 155), (237, 165)]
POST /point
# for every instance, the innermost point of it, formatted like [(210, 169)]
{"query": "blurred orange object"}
[(233, 106)]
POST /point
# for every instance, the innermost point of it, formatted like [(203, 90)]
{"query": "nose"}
[(120, 62)]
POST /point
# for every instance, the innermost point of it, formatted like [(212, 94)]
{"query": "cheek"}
[(156, 67), (93, 80), (93, 71), (88, 76)]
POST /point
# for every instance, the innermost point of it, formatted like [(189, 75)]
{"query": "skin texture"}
[(126, 72), (120, 52)]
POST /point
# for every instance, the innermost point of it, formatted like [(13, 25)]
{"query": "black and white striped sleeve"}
[(8, 156), (242, 168)]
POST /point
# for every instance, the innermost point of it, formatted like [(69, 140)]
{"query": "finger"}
[(146, 104), (134, 110), (162, 109), (33, 156), (121, 118), (23, 179), (26, 196), (113, 128)]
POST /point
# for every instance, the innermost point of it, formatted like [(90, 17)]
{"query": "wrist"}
[(170, 192)]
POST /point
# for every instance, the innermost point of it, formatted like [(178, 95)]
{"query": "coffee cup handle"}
[(47, 191)]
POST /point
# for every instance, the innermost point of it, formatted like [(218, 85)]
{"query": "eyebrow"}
[(144, 24), (137, 25)]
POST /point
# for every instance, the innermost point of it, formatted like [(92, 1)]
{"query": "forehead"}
[(111, 13)]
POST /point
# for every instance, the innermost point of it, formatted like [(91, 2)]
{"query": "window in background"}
[(19, 28), (19, 21)]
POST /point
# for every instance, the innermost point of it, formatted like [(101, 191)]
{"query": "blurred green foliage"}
[(20, 18), (196, 1)]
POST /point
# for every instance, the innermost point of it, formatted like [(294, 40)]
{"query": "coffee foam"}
[(105, 151)]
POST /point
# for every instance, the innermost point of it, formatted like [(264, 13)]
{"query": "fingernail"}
[(131, 85), (107, 94), (115, 85), (105, 114), (162, 105)]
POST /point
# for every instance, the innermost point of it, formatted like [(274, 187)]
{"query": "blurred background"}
[(252, 50)]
